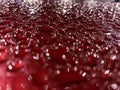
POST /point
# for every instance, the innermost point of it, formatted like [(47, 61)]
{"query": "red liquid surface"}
[(52, 50)]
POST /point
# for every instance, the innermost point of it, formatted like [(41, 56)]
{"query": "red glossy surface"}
[(52, 50)]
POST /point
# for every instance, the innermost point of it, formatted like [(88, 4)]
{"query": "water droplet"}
[(14, 66), (84, 74), (116, 35), (113, 57), (113, 86), (29, 77), (75, 68), (10, 67), (64, 56), (57, 72), (107, 72), (36, 57)]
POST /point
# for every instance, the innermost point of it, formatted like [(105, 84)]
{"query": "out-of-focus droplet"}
[(14, 66)]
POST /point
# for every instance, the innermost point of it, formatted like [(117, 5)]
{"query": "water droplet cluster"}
[(50, 49)]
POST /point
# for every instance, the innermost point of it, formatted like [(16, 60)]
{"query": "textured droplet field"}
[(60, 48)]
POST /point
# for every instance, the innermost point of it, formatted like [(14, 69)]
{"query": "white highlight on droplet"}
[(114, 86), (107, 71)]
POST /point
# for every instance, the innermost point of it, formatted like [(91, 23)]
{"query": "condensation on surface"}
[(80, 42)]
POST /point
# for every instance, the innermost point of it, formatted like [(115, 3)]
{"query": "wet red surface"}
[(55, 50)]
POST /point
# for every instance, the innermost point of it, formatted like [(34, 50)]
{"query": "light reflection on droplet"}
[(57, 72), (94, 74), (64, 56), (113, 57), (102, 61), (22, 85), (114, 86), (68, 69), (29, 77), (47, 54), (75, 68), (10, 67), (84, 74), (76, 62), (36, 57), (107, 71)]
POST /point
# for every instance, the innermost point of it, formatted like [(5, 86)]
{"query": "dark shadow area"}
[(117, 0)]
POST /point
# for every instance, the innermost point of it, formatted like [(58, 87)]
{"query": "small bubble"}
[(94, 75), (14, 66), (113, 57), (57, 72), (114, 86), (22, 85), (116, 35), (10, 67), (102, 61), (75, 68), (36, 57), (47, 54), (107, 71), (68, 69), (84, 74), (2, 40), (76, 62), (29, 77), (64, 56), (17, 52), (17, 47)]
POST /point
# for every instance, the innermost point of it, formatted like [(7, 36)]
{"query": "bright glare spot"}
[(65, 0), (10, 67), (58, 72), (107, 71), (114, 86), (84, 74), (63, 56), (31, 1), (113, 57), (64, 11), (75, 68), (102, 62)]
